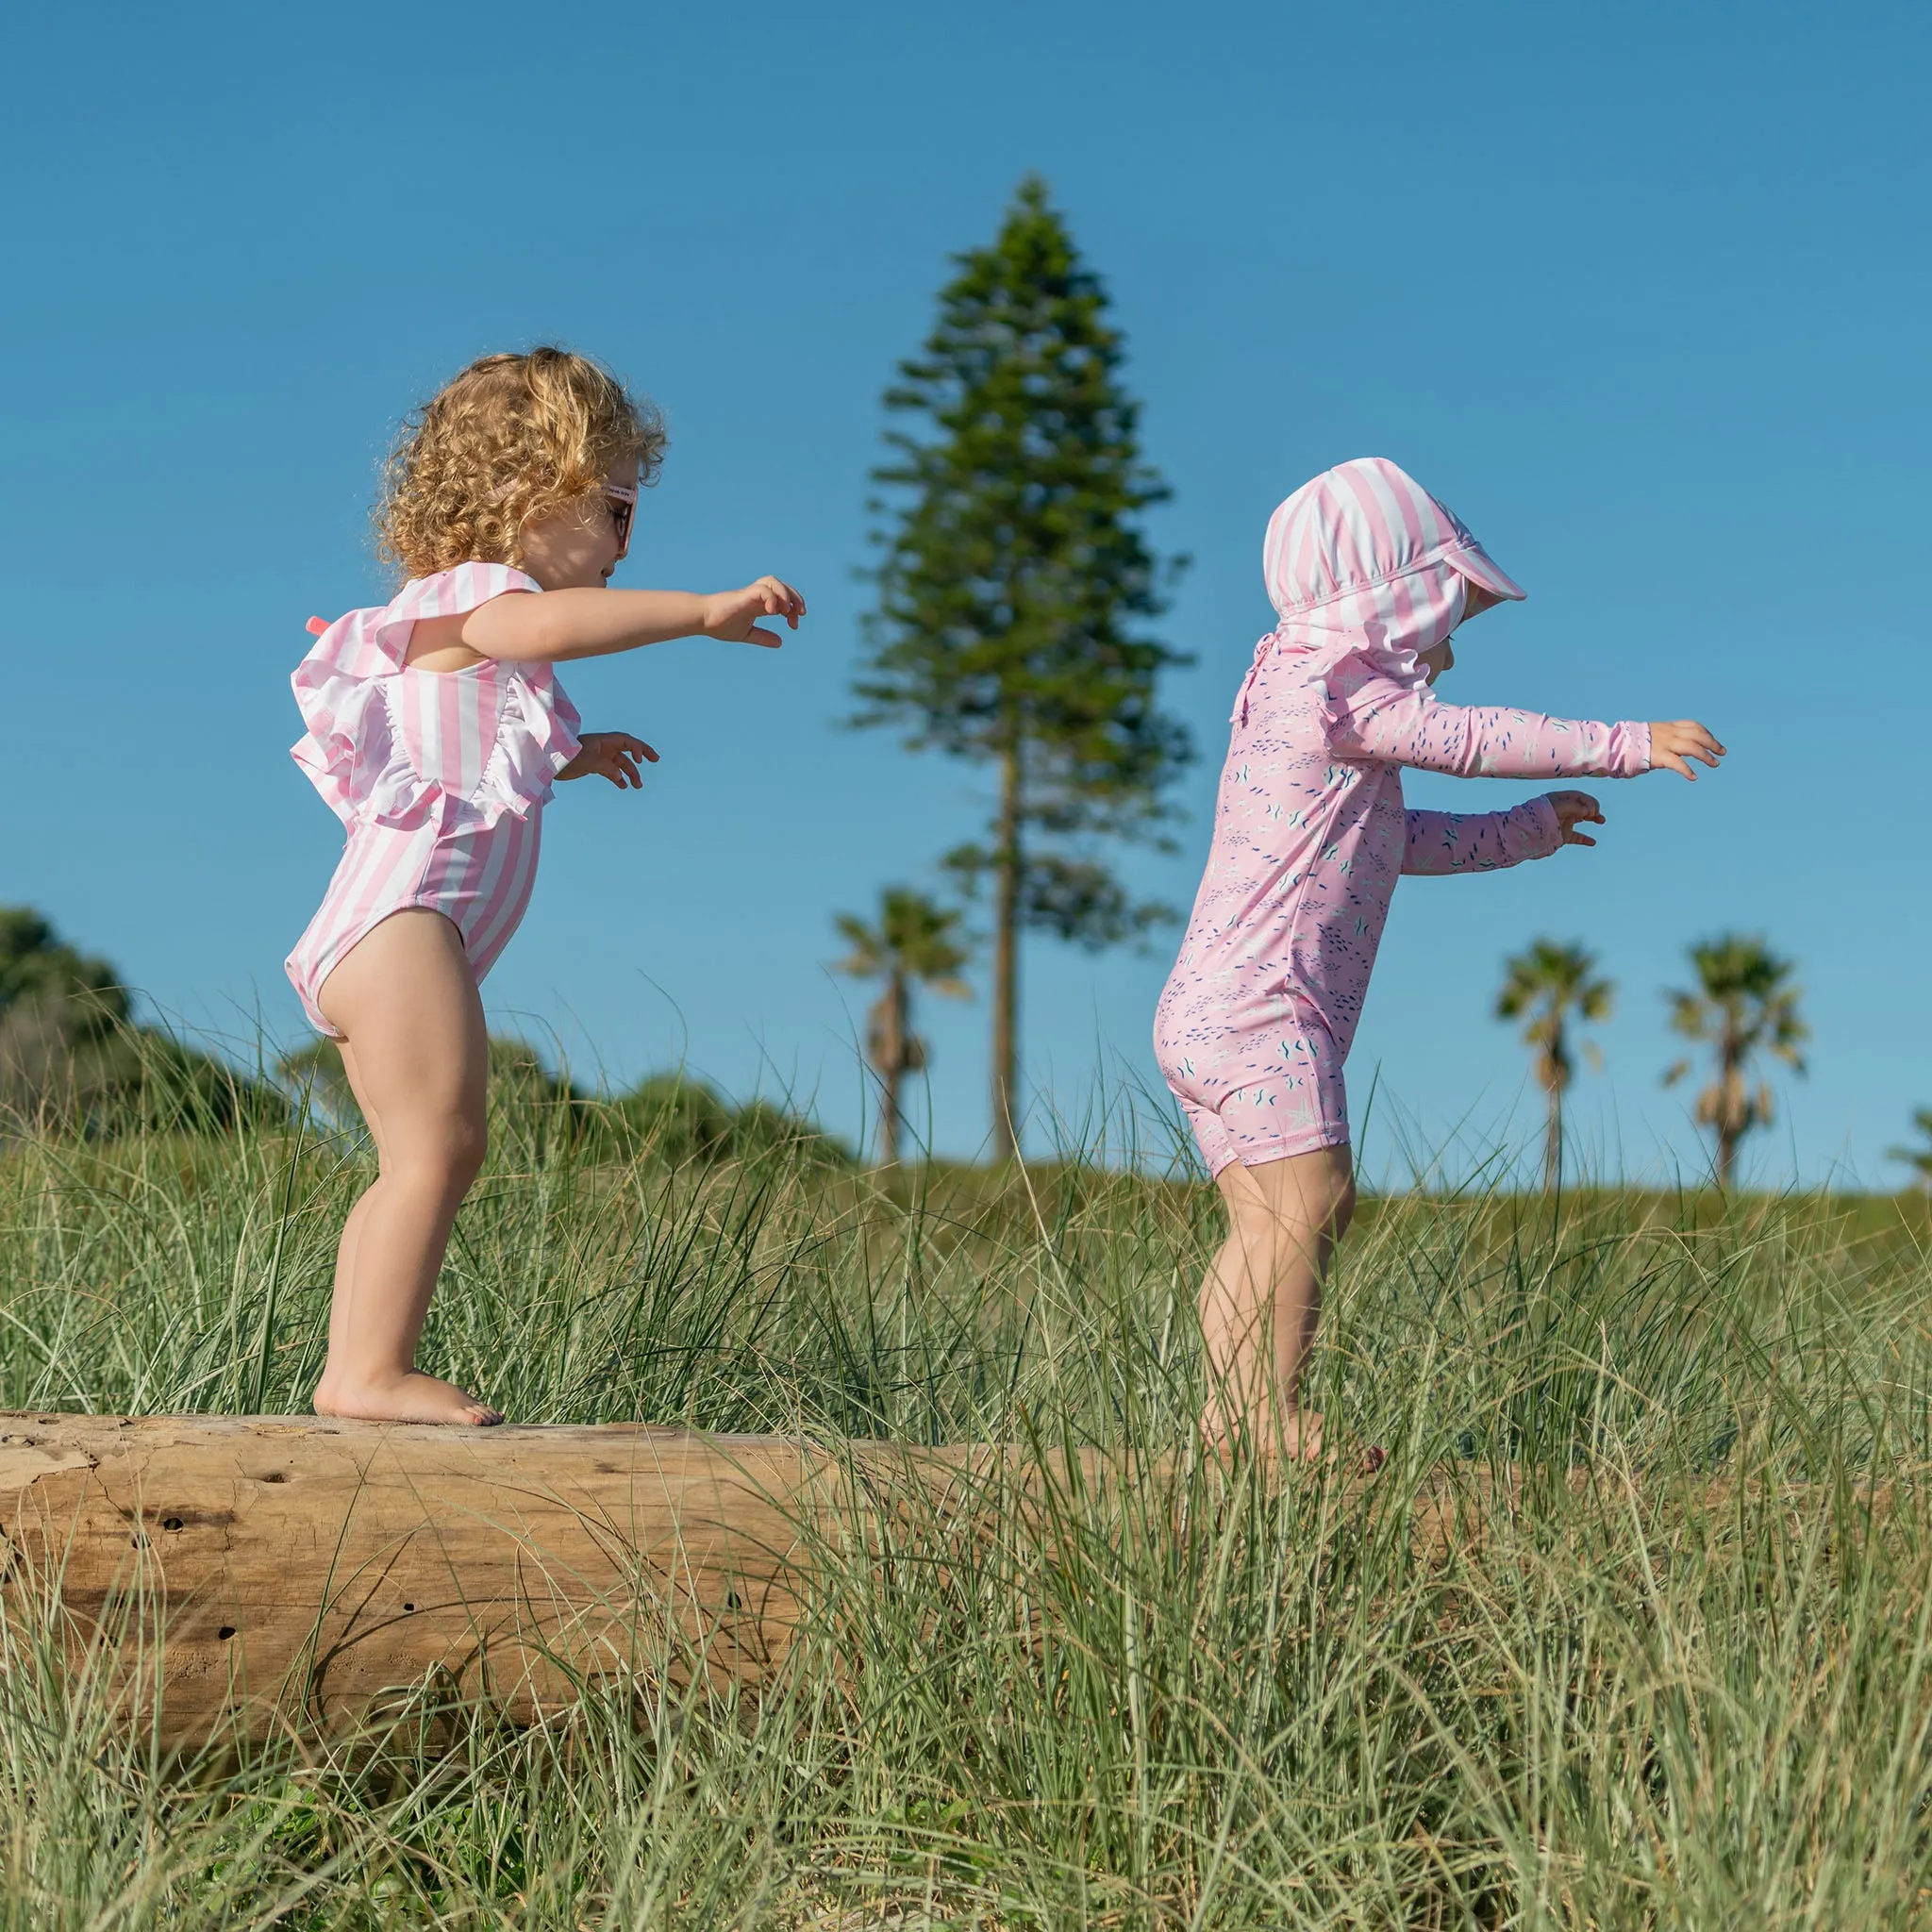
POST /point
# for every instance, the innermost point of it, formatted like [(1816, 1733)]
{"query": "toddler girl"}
[(436, 725), (1369, 574)]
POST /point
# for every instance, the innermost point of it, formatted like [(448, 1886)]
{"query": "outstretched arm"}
[(1449, 842), (1415, 727), (557, 625)]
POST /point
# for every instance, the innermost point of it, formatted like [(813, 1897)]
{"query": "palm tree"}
[(1743, 1005), (1917, 1159), (915, 943), (1545, 986)]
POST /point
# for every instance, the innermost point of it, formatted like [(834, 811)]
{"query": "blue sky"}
[(1639, 289)]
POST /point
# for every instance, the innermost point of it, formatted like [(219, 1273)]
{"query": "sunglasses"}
[(623, 500)]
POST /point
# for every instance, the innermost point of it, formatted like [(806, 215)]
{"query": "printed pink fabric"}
[(441, 776), (1365, 569)]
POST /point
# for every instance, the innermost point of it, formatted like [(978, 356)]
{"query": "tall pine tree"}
[(1013, 575)]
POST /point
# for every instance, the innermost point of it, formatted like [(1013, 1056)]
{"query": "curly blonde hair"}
[(511, 439)]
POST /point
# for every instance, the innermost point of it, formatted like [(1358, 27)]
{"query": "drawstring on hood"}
[(1363, 561)]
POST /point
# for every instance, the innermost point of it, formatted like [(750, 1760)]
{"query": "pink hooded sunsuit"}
[(1364, 568), (441, 776)]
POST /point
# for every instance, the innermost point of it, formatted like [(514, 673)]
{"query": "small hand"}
[(731, 614), (611, 754), (1672, 743), (1575, 808)]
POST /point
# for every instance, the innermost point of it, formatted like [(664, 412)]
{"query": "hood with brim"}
[(1363, 561)]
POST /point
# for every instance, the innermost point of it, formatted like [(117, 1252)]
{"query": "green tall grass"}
[(1677, 1672)]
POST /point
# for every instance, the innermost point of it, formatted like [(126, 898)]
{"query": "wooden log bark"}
[(265, 1572), (303, 1572)]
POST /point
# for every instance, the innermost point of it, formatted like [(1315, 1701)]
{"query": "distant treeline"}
[(73, 1057), (680, 1120), (75, 1060)]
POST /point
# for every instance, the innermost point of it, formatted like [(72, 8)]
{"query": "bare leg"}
[(1263, 1298), (352, 1226), (415, 1051), (345, 1272)]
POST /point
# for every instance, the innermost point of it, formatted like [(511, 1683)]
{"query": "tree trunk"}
[(1006, 963), (888, 1060), (308, 1571), (1553, 1071), (1730, 1090)]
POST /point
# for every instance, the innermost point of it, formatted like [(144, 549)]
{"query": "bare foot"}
[(1296, 1438), (1302, 1441), (409, 1398), (1299, 1441)]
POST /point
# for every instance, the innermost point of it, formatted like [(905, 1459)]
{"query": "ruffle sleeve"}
[(536, 738), (1350, 671), (1359, 672), (448, 594), (385, 744)]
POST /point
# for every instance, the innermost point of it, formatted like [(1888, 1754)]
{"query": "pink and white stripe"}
[(1356, 546), (439, 777)]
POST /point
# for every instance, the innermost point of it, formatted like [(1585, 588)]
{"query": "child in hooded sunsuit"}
[(436, 728), (1369, 574)]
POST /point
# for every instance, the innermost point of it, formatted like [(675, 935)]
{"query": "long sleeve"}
[(1414, 728), (1446, 841)]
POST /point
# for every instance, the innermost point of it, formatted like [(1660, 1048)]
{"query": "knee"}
[(444, 1152), (1271, 1235)]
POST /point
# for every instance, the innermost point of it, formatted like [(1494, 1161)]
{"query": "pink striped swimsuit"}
[(441, 776), (1365, 568)]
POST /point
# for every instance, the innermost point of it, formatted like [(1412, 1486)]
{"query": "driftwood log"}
[(261, 1571), (236, 1575)]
